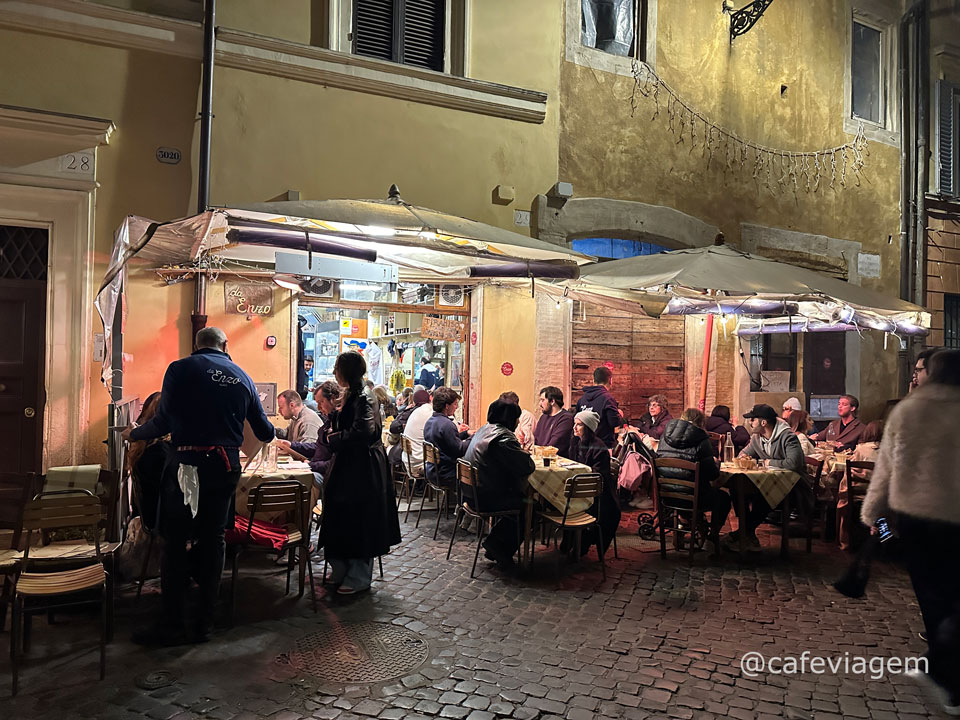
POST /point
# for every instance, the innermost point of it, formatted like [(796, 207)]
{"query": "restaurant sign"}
[(450, 329), (247, 298)]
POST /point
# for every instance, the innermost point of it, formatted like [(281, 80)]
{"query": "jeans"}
[(356, 573), (218, 485)]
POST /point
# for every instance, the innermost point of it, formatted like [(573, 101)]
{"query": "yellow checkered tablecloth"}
[(774, 484), (549, 482)]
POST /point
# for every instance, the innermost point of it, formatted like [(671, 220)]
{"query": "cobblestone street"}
[(658, 638)]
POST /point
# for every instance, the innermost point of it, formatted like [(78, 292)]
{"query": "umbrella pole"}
[(707, 341)]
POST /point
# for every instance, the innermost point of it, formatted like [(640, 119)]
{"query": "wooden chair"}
[(434, 484), (16, 489), (857, 484), (406, 452), (671, 502), (581, 486), (38, 591), (468, 477), (273, 498)]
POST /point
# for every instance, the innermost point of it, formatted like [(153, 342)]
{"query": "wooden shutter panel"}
[(947, 126), (373, 29), (423, 26)]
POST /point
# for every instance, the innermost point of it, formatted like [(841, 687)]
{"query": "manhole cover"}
[(156, 679), (364, 653)]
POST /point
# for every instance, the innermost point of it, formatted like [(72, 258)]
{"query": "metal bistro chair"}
[(580, 486), (432, 456), (406, 452), (468, 477), (857, 485), (275, 497), (16, 489), (672, 502), (36, 591)]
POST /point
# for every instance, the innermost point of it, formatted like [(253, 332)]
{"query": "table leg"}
[(742, 512)]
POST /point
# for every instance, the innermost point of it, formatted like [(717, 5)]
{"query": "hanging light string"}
[(771, 168)]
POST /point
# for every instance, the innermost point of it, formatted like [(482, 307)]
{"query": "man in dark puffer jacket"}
[(685, 439)]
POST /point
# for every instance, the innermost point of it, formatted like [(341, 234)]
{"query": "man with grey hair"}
[(204, 402), (304, 424)]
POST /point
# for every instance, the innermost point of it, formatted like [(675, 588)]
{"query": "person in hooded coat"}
[(598, 398), (589, 450), (687, 439), (360, 519), (502, 470)]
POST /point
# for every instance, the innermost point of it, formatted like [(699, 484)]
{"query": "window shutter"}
[(423, 33), (373, 33), (947, 126)]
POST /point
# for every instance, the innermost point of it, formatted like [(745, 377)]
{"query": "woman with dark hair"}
[(502, 470), (146, 460), (590, 450), (359, 516), (916, 484)]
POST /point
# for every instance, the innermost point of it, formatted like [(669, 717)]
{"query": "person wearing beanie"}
[(589, 449)]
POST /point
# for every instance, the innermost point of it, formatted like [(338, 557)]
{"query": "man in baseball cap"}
[(790, 406), (774, 443)]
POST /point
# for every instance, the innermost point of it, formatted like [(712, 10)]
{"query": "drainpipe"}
[(922, 161), (198, 319)]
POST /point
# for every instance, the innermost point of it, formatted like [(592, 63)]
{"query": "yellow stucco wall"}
[(606, 152), (273, 134)]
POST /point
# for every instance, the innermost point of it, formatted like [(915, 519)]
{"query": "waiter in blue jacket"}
[(203, 404)]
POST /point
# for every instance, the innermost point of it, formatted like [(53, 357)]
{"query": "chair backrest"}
[(406, 451), (815, 471), (857, 482), (59, 509), (16, 489), (690, 489), (717, 441)]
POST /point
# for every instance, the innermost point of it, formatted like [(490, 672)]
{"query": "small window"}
[(410, 32), (777, 351), (617, 27), (951, 321), (867, 74)]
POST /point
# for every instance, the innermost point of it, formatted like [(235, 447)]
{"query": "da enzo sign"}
[(247, 298)]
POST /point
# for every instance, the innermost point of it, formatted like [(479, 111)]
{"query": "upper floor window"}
[(867, 73), (410, 32), (614, 26)]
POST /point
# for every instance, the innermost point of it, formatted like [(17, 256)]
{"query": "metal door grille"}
[(951, 321), (23, 253)]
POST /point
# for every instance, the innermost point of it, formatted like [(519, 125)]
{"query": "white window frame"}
[(340, 24), (577, 52), (875, 15)]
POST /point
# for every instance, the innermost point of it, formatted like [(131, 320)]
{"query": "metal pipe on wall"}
[(198, 319)]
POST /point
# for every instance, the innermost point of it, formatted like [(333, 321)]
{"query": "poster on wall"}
[(268, 396)]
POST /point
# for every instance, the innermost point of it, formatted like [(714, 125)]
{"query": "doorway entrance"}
[(23, 302)]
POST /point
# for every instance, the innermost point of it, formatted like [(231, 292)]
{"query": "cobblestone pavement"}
[(658, 638)]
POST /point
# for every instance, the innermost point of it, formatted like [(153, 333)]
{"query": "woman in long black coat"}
[(359, 513)]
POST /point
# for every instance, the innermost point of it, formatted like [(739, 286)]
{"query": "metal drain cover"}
[(156, 679), (367, 652)]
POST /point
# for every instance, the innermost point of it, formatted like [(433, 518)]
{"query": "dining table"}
[(773, 484), (547, 484)]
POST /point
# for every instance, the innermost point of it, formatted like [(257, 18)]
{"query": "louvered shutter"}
[(947, 126), (423, 25), (373, 29)]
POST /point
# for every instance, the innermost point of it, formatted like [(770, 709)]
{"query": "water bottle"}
[(728, 449)]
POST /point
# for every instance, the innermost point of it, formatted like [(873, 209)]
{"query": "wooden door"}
[(824, 363), (646, 353), (23, 301)]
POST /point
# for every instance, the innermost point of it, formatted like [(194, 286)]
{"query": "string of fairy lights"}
[(771, 169)]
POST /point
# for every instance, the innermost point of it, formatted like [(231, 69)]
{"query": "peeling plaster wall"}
[(608, 152)]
